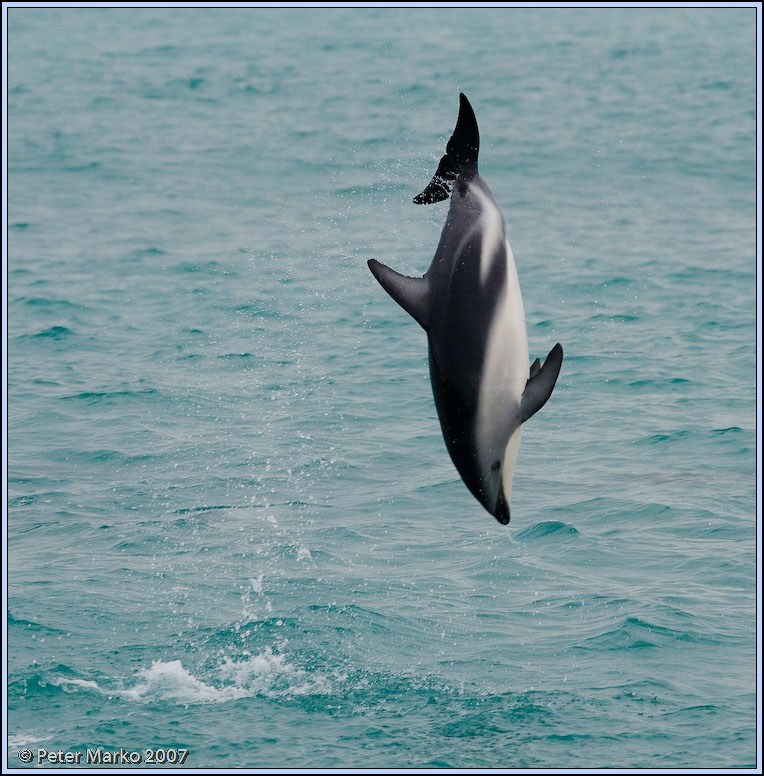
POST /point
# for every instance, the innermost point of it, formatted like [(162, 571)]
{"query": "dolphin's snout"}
[(501, 512)]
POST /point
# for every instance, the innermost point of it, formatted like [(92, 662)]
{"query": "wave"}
[(548, 528), (635, 633), (32, 626), (43, 303), (51, 332), (111, 397), (69, 455)]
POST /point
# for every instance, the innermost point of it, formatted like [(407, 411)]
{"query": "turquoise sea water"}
[(233, 526)]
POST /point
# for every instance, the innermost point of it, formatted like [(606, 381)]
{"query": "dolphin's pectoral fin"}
[(410, 293), (535, 367), (540, 385)]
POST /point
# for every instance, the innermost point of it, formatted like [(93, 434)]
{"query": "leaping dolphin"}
[(470, 305)]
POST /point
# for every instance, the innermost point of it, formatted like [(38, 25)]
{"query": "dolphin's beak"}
[(491, 493), (501, 512)]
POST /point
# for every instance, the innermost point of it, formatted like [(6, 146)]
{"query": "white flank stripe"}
[(505, 373), (490, 223)]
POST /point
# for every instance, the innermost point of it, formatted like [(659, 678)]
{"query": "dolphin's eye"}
[(495, 465)]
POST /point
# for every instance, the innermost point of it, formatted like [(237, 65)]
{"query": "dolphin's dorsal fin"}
[(461, 152), (410, 293), (540, 384)]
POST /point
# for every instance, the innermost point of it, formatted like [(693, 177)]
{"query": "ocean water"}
[(233, 526)]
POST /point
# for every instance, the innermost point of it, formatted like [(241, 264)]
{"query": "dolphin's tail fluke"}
[(461, 154), (439, 188)]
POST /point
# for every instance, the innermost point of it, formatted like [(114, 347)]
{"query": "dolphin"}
[(470, 305)]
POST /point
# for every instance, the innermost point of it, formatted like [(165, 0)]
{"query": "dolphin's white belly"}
[(505, 373)]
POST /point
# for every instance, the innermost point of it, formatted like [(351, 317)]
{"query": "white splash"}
[(24, 741), (265, 674), (257, 584), (62, 681), (171, 681)]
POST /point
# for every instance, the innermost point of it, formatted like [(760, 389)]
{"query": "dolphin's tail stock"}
[(461, 154)]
